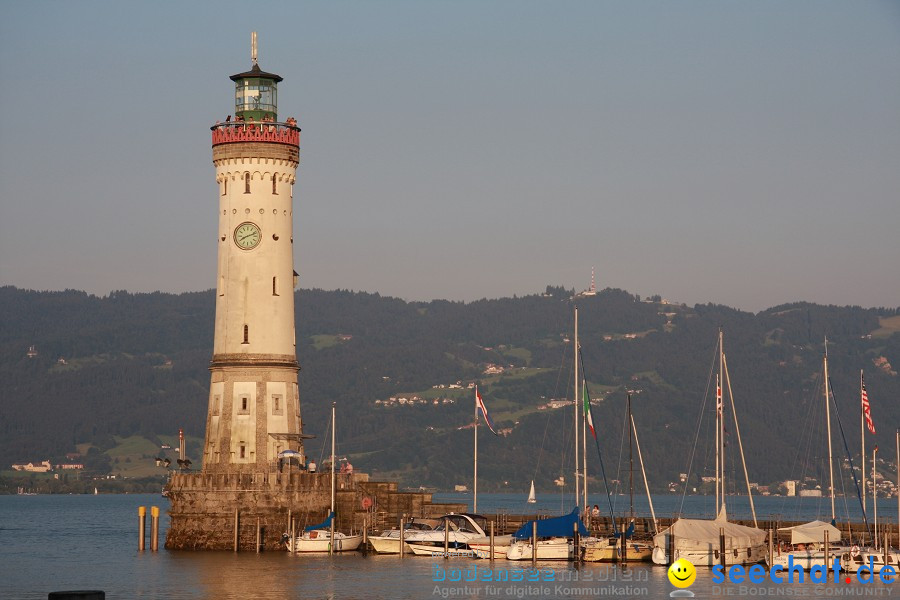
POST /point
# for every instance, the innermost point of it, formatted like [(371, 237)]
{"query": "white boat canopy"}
[(813, 533), (704, 534)]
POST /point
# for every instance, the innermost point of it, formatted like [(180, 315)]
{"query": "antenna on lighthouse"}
[(253, 48)]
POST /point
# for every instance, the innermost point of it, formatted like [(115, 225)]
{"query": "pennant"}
[(867, 410), (587, 412), (479, 405)]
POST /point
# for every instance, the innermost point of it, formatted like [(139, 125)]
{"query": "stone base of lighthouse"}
[(205, 507)]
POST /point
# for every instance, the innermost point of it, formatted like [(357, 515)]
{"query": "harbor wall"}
[(203, 505)]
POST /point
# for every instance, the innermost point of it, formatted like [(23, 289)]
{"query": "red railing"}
[(278, 133)]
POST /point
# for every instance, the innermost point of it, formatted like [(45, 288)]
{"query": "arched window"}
[(247, 182), (246, 334)]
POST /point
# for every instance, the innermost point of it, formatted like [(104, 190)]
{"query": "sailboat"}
[(323, 537), (698, 540), (807, 543), (610, 549), (555, 536), (531, 497)]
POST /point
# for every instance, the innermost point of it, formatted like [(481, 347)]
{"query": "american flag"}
[(867, 410)]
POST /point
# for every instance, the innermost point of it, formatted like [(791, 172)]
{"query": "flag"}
[(479, 405), (867, 410), (587, 412), (718, 396)]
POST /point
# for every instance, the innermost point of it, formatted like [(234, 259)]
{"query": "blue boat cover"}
[(326, 524), (563, 526)]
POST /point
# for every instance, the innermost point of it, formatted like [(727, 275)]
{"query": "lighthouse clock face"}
[(247, 236)]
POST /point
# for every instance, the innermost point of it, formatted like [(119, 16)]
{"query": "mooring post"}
[(257, 534), (534, 543), (142, 527), (492, 541), (236, 526), (671, 541), (365, 543), (154, 528), (722, 545), (402, 534), (446, 538), (772, 547), (624, 545), (293, 546)]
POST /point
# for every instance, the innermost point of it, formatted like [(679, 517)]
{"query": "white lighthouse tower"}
[(254, 402)]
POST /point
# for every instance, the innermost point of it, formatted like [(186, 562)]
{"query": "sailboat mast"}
[(737, 431), (630, 460), (637, 443), (475, 477), (874, 497), (828, 426), (720, 430), (862, 438), (584, 473), (577, 409), (332, 456)]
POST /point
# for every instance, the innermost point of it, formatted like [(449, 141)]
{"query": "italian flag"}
[(587, 412)]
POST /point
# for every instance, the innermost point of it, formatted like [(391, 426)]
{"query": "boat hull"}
[(610, 552), (552, 549), (709, 557), (321, 542), (870, 559)]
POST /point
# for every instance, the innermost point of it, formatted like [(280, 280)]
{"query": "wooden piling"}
[(826, 555), (402, 535), (671, 540), (293, 547), (446, 538), (624, 545), (772, 546), (257, 534), (236, 528), (534, 544), (492, 541), (575, 542), (365, 533), (722, 545), (142, 527), (154, 528)]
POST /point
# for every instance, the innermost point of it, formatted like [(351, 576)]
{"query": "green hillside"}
[(116, 377)]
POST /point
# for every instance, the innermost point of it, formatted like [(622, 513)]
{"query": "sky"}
[(739, 153)]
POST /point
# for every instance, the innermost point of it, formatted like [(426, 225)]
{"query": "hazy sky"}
[(738, 152)]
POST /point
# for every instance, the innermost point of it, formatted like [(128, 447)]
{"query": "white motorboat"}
[(389, 540), (458, 529), (556, 548)]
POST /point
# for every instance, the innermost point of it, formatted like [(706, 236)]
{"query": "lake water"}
[(52, 543)]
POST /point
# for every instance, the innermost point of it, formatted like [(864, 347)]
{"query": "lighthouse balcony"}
[(264, 131)]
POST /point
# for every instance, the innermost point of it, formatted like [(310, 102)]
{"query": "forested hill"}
[(131, 366)]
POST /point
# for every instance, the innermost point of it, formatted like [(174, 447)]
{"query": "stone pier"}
[(203, 506)]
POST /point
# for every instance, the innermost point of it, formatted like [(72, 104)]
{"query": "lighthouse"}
[(254, 401), (250, 487)]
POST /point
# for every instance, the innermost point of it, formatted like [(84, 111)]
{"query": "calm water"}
[(50, 543)]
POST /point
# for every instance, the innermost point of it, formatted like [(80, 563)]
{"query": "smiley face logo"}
[(682, 573)]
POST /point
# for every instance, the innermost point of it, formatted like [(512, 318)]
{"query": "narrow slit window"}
[(225, 187), (244, 401), (247, 182), (246, 334), (274, 286), (274, 191), (243, 451)]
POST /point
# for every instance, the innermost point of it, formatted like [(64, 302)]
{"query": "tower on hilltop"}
[(254, 401)]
